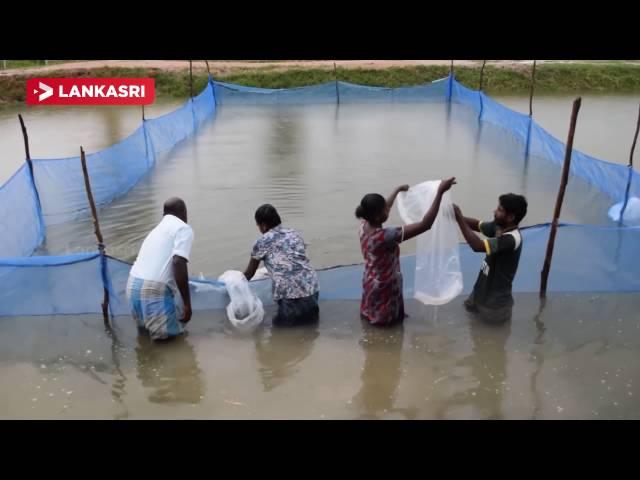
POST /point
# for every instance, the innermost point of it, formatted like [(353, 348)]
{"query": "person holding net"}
[(382, 302), (294, 281), (491, 297), (159, 276)]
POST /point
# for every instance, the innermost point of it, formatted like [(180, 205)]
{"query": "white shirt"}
[(170, 237)]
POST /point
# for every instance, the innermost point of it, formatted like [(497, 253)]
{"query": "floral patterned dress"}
[(382, 302), (283, 253)]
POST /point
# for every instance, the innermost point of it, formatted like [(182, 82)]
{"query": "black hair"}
[(371, 207), (515, 205), (268, 215), (175, 206)]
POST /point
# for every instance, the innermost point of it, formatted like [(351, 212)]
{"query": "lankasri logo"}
[(90, 91), (47, 91)]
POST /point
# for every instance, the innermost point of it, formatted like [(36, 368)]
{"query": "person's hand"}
[(403, 188), (446, 184), (187, 314), (456, 210)]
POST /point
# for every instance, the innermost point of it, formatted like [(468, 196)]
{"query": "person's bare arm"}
[(181, 274), (250, 271), (392, 197), (474, 241)]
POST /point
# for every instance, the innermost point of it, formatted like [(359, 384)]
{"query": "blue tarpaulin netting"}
[(588, 258)]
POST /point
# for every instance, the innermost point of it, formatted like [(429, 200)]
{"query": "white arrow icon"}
[(47, 91)]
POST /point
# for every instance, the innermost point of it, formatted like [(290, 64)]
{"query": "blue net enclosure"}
[(47, 192)]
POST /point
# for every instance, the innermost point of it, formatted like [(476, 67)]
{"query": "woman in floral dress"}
[(382, 302)]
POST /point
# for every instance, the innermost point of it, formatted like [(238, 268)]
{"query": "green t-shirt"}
[(493, 286)]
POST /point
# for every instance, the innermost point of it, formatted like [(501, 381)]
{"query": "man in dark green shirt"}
[(491, 297)]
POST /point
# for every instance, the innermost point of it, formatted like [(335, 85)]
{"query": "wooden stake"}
[(96, 226), (335, 73), (191, 77), (26, 141), (626, 192), (635, 139), (544, 275), (484, 62), (533, 77)]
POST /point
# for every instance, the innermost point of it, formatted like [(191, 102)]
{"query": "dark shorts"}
[(297, 311), (493, 316)]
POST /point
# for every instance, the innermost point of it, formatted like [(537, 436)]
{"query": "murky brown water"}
[(574, 360), (577, 359)]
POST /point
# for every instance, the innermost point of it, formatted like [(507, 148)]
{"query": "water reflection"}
[(281, 350), (170, 370), (118, 387), (381, 373), (487, 366), (537, 353)]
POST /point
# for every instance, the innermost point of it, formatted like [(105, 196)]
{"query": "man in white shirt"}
[(160, 272)]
